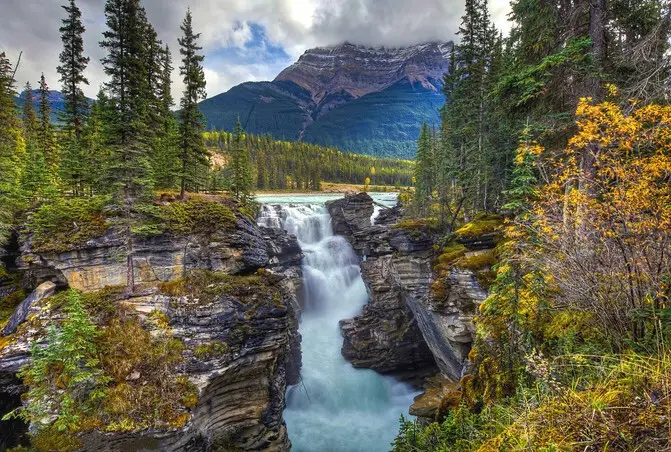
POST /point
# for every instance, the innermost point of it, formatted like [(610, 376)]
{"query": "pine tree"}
[(45, 136), (193, 153), (242, 178), (72, 67), (127, 129)]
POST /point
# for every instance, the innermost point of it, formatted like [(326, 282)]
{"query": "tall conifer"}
[(73, 63), (45, 135), (125, 64), (193, 153)]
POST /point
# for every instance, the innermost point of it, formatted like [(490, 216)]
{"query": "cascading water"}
[(337, 407)]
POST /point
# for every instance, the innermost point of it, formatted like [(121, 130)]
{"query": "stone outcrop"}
[(46, 289), (337, 74), (385, 337), (241, 391), (350, 214), (397, 269), (102, 262)]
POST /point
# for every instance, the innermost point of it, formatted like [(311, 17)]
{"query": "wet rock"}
[(440, 394), (350, 214), (385, 337), (397, 270)]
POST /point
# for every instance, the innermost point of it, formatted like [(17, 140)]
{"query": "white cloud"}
[(293, 25)]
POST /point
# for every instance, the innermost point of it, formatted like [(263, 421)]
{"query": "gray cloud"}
[(294, 25)]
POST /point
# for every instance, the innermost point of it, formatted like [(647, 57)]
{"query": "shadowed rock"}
[(46, 289)]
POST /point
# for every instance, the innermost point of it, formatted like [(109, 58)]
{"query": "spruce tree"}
[(73, 63), (127, 129), (165, 161), (34, 177), (423, 171), (193, 153), (30, 124), (45, 136)]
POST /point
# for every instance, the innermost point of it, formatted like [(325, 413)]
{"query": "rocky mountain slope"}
[(55, 98), (367, 100)]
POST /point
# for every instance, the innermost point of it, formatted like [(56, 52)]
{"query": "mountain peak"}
[(359, 70)]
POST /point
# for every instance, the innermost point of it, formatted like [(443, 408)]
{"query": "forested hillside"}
[(563, 127), (296, 165)]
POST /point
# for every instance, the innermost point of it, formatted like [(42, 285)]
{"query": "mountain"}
[(366, 100), (55, 97)]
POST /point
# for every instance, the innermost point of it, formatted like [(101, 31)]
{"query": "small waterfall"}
[(337, 408)]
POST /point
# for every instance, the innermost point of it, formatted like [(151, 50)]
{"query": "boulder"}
[(44, 290), (351, 213)]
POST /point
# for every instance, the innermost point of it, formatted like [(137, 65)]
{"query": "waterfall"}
[(337, 407)]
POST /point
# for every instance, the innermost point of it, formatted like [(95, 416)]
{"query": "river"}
[(336, 408)]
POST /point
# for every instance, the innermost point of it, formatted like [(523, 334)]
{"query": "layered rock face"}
[(385, 337), (350, 71), (402, 329), (241, 388), (103, 261)]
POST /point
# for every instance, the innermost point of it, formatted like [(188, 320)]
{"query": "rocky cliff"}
[(334, 75), (237, 323), (385, 337), (404, 329)]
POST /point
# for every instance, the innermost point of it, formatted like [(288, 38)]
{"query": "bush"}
[(482, 224)]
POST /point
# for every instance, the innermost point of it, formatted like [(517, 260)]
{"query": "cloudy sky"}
[(243, 40)]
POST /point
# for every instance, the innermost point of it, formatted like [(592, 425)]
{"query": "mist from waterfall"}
[(337, 407)]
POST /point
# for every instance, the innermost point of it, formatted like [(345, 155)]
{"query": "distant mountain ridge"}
[(56, 99), (362, 99)]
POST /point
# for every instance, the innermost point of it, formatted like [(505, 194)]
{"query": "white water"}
[(337, 408)]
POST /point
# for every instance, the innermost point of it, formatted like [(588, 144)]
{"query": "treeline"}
[(557, 53), (297, 165)]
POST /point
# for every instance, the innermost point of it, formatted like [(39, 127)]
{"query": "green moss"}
[(66, 224), (485, 259), (214, 349), (417, 224), (206, 286), (451, 252), (191, 216), (481, 225)]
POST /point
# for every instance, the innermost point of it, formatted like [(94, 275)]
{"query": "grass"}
[(605, 402)]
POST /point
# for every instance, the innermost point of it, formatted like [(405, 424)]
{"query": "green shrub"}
[(210, 350), (66, 224), (194, 215)]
